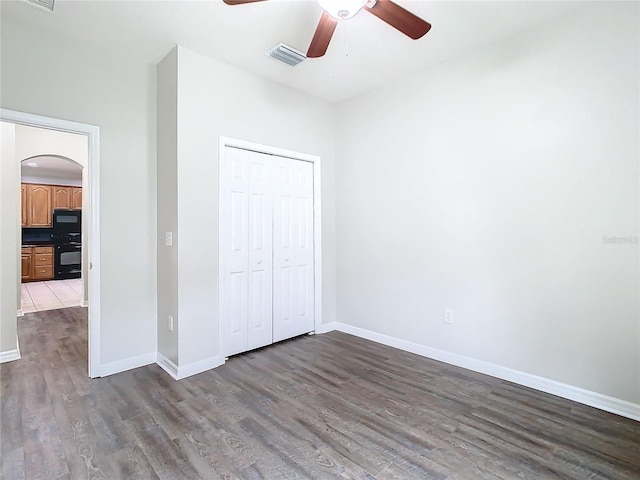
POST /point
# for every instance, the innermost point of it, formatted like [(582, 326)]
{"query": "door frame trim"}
[(317, 218), (93, 182)]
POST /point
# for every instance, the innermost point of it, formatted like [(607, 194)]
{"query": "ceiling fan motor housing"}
[(342, 9)]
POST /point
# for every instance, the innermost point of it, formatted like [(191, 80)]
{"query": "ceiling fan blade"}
[(322, 37), (399, 18), (240, 2)]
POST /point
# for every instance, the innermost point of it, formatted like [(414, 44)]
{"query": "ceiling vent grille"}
[(286, 54), (48, 4)]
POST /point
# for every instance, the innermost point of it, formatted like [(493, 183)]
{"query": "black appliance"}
[(67, 239), (67, 221), (67, 260), (37, 236)]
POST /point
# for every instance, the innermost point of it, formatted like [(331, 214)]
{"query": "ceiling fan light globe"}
[(342, 9)]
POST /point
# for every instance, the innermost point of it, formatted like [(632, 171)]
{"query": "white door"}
[(266, 220), (260, 252), (234, 242), (293, 276), (245, 290)]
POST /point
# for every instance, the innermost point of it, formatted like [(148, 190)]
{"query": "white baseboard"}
[(20, 313), (127, 364), (11, 355), (84, 303), (178, 373), (580, 395), (327, 327), (167, 365), (199, 367)]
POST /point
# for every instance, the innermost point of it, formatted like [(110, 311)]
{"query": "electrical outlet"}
[(170, 323), (168, 239), (448, 315)]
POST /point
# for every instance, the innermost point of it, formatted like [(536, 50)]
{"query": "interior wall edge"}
[(179, 372), (167, 365)]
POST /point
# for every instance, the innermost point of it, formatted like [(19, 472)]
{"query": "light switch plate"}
[(448, 315), (168, 239)]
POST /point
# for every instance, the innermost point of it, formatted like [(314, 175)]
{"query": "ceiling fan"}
[(334, 10)]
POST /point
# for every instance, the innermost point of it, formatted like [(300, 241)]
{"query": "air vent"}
[(48, 4), (286, 54)]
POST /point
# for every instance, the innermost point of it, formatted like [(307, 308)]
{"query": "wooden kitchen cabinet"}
[(39, 206), (42, 263), (38, 202), (61, 196), (37, 263), (26, 264), (23, 196), (76, 198)]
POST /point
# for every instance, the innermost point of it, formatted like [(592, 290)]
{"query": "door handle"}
[(259, 262)]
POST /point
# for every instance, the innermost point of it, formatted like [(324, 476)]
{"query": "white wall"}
[(168, 203), (215, 99), (32, 142), (116, 93), (486, 185), (9, 195)]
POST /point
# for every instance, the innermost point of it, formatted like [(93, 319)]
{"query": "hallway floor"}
[(51, 295)]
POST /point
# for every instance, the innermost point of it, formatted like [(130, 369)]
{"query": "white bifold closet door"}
[(266, 245), (293, 275)]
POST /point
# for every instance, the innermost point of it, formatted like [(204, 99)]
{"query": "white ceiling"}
[(48, 166), (365, 52)]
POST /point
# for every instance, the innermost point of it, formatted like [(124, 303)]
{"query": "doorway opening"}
[(51, 187), (36, 193)]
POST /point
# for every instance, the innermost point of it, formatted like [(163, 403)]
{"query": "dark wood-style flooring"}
[(324, 406)]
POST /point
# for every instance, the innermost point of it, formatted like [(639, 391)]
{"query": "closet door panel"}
[(237, 305), (260, 259), (234, 243), (283, 252), (304, 249), (293, 249)]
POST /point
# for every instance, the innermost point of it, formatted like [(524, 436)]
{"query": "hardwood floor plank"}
[(131, 463), (11, 437), (527, 464), (78, 438), (402, 472), (315, 407), (205, 459), (343, 445), (334, 464), (111, 434), (167, 460), (122, 394), (43, 450), (279, 451), (12, 467)]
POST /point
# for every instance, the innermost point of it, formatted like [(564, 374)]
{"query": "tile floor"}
[(50, 295)]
